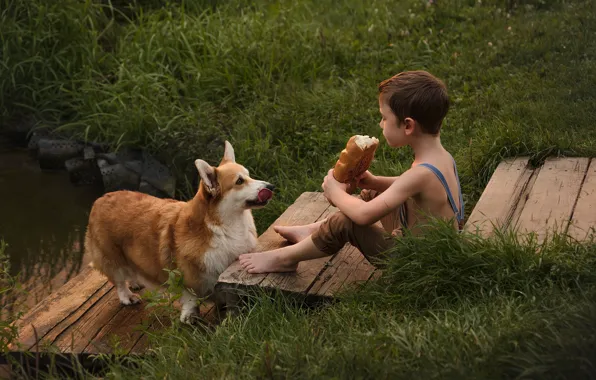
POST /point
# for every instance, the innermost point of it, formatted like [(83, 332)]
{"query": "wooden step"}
[(85, 318)]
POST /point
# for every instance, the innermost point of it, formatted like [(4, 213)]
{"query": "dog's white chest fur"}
[(231, 239)]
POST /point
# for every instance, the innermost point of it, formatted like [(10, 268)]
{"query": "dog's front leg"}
[(190, 309)]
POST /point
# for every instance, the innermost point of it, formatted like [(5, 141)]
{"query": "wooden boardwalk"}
[(85, 318), (82, 318)]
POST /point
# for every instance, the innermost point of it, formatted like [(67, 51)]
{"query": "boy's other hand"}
[(365, 180)]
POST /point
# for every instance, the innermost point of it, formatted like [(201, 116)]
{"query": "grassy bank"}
[(447, 306), (288, 82)]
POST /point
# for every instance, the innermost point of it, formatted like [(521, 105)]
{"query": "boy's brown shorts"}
[(371, 240)]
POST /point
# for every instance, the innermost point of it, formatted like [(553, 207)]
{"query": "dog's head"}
[(230, 184)]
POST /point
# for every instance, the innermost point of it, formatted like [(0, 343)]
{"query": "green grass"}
[(477, 309), (287, 82), (8, 284)]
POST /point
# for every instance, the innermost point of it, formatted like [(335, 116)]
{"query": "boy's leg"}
[(294, 234), (338, 230), (284, 259), (333, 233)]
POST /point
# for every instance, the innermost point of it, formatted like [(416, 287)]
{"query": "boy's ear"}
[(208, 176), (409, 125)]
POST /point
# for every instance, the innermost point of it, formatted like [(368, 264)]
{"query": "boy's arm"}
[(380, 184), (360, 212), (372, 182)]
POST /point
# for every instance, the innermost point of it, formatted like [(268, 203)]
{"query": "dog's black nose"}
[(270, 187)]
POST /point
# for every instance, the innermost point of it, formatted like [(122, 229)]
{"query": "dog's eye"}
[(239, 181)]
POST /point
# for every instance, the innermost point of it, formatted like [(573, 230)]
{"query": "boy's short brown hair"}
[(419, 95)]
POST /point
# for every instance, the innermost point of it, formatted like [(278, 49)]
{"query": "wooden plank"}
[(500, 197), (122, 331), (583, 221), (340, 268), (58, 306), (307, 272), (77, 336), (86, 308), (553, 196), (307, 209)]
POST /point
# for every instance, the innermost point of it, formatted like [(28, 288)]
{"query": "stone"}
[(53, 153), (158, 175), (83, 172), (118, 177)]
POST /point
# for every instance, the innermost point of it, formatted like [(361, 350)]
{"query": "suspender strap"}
[(403, 215), (459, 213), (461, 197)]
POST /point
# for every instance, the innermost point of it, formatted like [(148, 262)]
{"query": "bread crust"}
[(353, 160)]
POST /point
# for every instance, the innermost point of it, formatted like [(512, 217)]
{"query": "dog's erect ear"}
[(208, 176), (228, 153)]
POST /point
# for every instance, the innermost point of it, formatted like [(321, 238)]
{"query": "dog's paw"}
[(135, 287), (131, 299), (190, 318)]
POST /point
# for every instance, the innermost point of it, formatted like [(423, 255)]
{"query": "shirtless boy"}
[(413, 105)]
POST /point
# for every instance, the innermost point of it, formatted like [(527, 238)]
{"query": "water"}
[(43, 218)]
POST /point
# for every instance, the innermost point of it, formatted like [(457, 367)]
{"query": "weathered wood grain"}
[(348, 265), (502, 195), (583, 221), (122, 331), (552, 198), (77, 336), (85, 311), (58, 306)]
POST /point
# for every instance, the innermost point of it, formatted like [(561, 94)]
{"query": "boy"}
[(413, 105)]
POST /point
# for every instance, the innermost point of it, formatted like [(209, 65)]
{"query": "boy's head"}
[(417, 95)]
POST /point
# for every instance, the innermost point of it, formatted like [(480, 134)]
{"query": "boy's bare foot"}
[(294, 234), (265, 262)]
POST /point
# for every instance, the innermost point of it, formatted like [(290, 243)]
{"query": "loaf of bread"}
[(355, 159)]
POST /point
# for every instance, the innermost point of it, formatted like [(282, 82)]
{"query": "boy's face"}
[(392, 130)]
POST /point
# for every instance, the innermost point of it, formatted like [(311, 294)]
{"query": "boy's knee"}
[(340, 222)]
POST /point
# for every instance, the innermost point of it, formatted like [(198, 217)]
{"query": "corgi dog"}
[(132, 237)]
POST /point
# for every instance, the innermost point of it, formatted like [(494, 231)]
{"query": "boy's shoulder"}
[(415, 179)]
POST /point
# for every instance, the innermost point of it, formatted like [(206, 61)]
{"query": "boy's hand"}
[(331, 185), (365, 180)]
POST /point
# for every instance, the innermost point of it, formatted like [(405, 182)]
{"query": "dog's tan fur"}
[(132, 237)]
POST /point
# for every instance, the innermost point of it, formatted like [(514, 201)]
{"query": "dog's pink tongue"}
[(265, 195)]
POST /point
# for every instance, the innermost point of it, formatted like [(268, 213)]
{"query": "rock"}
[(158, 175), (35, 136), (88, 153), (53, 153), (83, 172), (147, 188), (122, 156), (136, 166), (118, 177), (101, 163)]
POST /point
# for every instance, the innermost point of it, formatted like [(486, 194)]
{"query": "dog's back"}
[(124, 228)]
